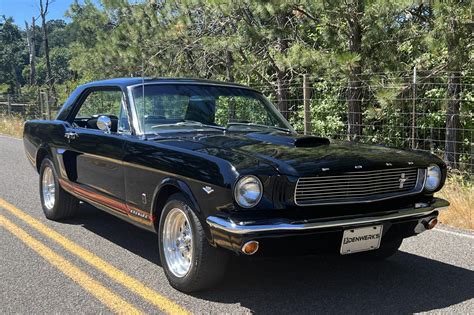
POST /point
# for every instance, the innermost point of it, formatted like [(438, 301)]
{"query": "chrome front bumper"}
[(241, 228)]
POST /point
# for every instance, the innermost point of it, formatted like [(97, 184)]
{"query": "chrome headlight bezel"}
[(433, 178), (239, 191)]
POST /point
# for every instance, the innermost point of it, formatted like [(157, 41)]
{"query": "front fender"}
[(165, 189)]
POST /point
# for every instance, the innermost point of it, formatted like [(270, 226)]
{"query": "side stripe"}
[(139, 215)]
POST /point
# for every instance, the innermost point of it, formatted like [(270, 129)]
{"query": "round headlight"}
[(248, 191), (433, 177)]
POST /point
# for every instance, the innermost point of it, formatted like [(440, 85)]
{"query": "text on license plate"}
[(361, 239)]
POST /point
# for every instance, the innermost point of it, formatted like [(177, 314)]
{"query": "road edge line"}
[(454, 233)]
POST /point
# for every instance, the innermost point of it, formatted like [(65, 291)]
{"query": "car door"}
[(97, 155)]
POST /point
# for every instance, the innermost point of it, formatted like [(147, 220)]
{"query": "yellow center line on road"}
[(119, 276), (111, 300)]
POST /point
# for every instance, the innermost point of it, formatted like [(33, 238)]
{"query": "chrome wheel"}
[(49, 188), (178, 242)]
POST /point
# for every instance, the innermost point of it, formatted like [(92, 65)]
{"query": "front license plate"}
[(361, 239)]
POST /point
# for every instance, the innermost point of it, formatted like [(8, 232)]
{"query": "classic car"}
[(213, 168)]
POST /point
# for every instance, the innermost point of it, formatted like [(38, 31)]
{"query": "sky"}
[(22, 10)]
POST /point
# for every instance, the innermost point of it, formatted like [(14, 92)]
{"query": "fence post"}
[(40, 97), (9, 105), (413, 118), (48, 108), (306, 103)]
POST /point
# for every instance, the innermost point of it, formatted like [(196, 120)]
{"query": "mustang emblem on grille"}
[(402, 180)]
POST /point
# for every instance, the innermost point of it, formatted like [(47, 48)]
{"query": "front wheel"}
[(57, 203), (189, 261)]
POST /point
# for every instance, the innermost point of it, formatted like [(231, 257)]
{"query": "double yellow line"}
[(110, 299)]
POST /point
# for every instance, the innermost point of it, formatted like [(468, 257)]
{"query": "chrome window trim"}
[(139, 130), (133, 112), (418, 189), (194, 83), (123, 109)]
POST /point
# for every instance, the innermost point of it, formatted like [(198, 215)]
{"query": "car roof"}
[(126, 82)]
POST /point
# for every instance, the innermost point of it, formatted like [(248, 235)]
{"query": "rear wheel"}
[(189, 261), (56, 202)]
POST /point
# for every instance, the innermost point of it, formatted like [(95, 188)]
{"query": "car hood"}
[(296, 155)]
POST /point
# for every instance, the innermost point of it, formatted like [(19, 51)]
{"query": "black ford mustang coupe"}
[(214, 168)]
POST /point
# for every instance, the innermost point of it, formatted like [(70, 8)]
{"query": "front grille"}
[(355, 187)]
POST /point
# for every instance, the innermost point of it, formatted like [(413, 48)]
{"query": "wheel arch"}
[(165, 189), (41, 153)]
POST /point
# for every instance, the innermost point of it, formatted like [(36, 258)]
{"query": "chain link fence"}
[(423, 111), (39, 106), (427, 112)]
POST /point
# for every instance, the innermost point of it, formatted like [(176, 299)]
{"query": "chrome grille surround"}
[(358, 187)]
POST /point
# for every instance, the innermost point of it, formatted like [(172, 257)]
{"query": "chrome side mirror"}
[(104, 123)]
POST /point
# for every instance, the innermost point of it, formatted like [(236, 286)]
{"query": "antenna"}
[(143, 96)]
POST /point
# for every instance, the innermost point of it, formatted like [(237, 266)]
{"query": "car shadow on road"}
[(136, 240), (405, 283)]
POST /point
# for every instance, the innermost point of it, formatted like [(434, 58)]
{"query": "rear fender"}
[(43, 151)]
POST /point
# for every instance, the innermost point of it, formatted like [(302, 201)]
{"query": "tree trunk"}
[(282, 47), (49, 76), (354, 88), (229, 63), (17, 88), (451, 154), (30, 36), (282, 94), (454, 90), (354, 105)]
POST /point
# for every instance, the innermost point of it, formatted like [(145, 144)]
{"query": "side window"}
[(103, 102)]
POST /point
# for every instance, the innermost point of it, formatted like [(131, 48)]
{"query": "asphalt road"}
[(434, 272)]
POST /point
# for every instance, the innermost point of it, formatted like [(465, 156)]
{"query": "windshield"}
[(187, 106)]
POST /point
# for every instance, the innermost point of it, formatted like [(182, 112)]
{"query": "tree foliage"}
[(350, 48)]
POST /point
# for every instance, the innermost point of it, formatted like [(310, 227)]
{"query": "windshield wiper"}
[(257, 125), (189, 123)]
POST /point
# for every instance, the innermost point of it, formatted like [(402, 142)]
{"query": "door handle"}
[(71, 135)]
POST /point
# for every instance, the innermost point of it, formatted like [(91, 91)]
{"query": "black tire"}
[(65, 205), (208, 264), (386, 250)]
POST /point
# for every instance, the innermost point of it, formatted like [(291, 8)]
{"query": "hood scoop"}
[(290, 140), (310, 141)]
